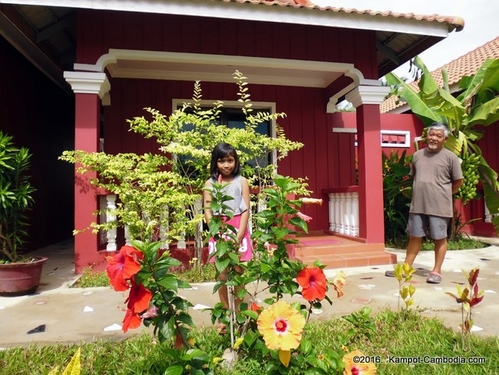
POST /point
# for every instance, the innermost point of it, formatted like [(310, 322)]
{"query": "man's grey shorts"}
[(420, 225)]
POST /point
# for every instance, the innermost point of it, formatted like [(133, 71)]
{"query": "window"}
[(395, 138), (232, 115)]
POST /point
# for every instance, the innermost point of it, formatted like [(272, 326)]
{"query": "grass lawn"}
[(397, 337)]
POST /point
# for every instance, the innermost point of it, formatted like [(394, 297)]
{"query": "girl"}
[(225, 168)]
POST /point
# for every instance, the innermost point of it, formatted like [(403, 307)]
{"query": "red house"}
[(106, 61)]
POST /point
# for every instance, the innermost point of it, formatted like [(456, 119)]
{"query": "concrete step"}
[(347, 260), (340, 252)]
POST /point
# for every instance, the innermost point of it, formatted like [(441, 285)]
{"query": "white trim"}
[(345, 130), (405, 133), (260, 12), (123, 63), (88, 83), (367, 95)]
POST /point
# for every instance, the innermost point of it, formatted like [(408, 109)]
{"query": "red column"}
[(366, 99), (89, 89), (371, 216), (87, 118)]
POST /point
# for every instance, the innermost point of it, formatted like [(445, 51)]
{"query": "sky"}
[(480, 17)]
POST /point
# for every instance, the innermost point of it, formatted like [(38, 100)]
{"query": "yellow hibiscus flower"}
[(281, 326), (354, 368)]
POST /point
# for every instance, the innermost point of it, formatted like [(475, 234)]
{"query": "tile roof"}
[(454, 23), (465, 65)]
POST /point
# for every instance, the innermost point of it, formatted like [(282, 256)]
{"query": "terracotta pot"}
[(17, 279)]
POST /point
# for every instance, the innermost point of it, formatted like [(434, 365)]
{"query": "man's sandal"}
[(434, 278)]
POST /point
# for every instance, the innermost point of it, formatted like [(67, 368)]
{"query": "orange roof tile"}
[(465, 65), (454, 23)]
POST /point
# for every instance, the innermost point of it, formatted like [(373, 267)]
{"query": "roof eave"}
[(328, 17)]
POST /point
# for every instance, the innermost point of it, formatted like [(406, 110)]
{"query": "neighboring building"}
[(107, 60)]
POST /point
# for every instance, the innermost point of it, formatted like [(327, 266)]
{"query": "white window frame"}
[(405, 133)]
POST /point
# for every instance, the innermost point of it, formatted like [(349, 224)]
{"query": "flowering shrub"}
[(275, 334)]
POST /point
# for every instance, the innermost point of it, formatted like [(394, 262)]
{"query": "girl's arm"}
[(245, 215), (208, 214)]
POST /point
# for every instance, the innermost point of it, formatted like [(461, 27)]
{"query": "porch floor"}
[(337, 251)]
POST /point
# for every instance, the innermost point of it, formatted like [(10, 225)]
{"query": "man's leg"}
[(440, 251), (439, 227), (413, 248)]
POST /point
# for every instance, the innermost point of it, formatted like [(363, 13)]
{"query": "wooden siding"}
[(40, 116), (327, 159), (98, 31)]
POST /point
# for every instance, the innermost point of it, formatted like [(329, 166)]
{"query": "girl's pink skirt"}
[(245, 250)]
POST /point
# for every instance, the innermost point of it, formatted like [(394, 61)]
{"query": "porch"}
[(338, 246)]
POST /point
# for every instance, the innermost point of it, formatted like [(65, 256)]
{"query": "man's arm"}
[(456, 185)]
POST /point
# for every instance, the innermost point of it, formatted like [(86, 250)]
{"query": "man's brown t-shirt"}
[(433, 174)]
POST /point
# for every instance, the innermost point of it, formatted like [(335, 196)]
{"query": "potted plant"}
[(19, 274)]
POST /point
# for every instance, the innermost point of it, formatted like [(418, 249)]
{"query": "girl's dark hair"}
[(219, 152)]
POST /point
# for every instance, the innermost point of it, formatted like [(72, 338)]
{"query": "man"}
[(437, 175)]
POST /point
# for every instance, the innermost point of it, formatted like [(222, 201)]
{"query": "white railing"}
[(343, 210), (107, 207)]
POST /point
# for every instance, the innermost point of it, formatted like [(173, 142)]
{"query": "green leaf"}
[(418, 106), (221, 264), (485, 114), (168, 282), (194, 353), (300, 223), (174, 370)]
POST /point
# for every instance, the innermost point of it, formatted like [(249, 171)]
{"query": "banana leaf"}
[(485, 114), (484, 84), (418, 106)]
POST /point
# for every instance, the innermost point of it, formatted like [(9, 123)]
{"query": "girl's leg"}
[(223, 293)]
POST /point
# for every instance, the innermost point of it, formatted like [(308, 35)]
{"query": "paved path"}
[(76, 314)]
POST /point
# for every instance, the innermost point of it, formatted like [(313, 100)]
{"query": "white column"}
[(128, 239), (111, 217), (349, 215), (337, 212), (355, 214), (331, 211), (163, 229)]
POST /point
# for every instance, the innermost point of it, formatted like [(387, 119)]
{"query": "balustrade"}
[(343, 207)]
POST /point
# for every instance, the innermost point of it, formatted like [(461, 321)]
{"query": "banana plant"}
[(467, 115)]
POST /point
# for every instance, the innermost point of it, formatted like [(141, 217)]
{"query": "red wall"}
[(490, 150), (40, 116), (100, 30)]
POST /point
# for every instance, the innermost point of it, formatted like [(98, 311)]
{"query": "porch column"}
[(89, 89), (367, 99)]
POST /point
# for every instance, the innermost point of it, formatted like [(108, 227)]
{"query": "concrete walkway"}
[(84, 315)]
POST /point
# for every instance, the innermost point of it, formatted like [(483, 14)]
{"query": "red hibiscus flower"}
[(138, 301), (139, 298), (122, 266), (313, 282), (131, 320), (256, 307)]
